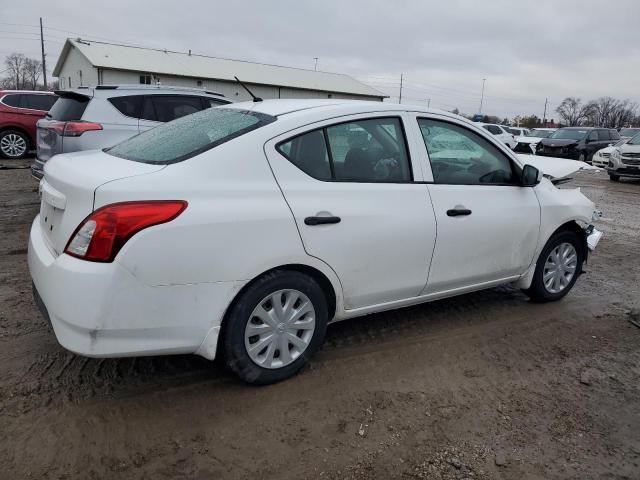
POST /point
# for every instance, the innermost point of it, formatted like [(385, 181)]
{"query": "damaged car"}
[(578, 143), (243, 231)]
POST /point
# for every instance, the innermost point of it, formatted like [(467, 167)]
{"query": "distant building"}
[(87, 62)]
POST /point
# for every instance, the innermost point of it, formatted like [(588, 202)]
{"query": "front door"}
[(351, 188), (487, 223)]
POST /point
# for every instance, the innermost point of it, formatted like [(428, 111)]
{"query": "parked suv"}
[(19, 112), (501, 133), (88, 118), (578, 143), (625, 160)]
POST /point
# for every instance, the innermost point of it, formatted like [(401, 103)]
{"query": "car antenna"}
[(255, 99)]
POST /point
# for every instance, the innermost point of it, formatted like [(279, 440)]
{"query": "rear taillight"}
[(73, 129), (102, 234)]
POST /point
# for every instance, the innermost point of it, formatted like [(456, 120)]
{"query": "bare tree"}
[(32, 72), (15, 70), (573, 112), (610, 112)]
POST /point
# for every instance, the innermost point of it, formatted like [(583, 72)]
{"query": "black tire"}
[(236, 357), (21, 135), (537, 291), (614, 178)]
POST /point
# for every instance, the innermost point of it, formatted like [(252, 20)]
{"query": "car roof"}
[(278, 107)]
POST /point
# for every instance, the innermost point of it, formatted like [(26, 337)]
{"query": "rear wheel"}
[(614, 178), (13, 144), (275, 327), (557, 268)]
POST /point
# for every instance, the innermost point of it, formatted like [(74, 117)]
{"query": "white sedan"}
[(244, 230)]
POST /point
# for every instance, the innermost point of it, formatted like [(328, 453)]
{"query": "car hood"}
[(555, 168), (558, 142), (529, 139), (629, 148)]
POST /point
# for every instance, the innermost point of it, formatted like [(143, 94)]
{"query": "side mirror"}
[(531, 176)]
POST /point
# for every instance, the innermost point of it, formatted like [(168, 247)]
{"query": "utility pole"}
[(428, 102), (544, 115), (482, 96), (44, 65), (316, 65), (400, 98)]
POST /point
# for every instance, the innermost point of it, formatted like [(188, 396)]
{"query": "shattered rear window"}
[(189, 136)]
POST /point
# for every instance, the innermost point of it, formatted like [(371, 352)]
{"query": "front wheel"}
[(614, 178), (275, 327), (557, 268), (582, 157)]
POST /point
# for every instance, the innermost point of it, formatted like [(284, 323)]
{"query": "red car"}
[(19, 112)]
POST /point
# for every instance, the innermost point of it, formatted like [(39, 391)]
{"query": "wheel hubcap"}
[(560, 268), (13, 145), (280, 329)]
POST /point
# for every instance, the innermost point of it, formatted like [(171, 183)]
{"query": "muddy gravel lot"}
[(482, 386)]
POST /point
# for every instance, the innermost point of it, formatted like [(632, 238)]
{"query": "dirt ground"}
[(482, 386)]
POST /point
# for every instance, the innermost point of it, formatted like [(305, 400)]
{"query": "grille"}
[(631, 161), (605, 155), (631, 155)]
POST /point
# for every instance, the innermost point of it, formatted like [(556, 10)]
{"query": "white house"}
[(87, 62)]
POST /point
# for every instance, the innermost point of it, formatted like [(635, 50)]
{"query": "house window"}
[(199, 83), (145, 79)]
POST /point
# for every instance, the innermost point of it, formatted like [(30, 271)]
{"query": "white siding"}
[(230, 90), (77, 70)]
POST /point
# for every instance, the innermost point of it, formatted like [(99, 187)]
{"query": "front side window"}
[(593, 136), (189, 136), (370, 151), (614, 135), (461, 157)]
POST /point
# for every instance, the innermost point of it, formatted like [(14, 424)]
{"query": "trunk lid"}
[(68, 189), (70, 106)]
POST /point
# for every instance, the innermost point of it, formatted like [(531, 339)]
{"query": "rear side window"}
[(39, 102), (69, 108), (189, 136), (371, 151), (128, 106), (12, 100), (165, 108), (212, 102)]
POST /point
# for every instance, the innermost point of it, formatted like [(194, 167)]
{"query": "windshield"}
[(569, 134), (635, 140), (539, 133), (190, 135), (629, 132)]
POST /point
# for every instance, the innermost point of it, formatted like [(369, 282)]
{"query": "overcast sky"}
[(526, 50)]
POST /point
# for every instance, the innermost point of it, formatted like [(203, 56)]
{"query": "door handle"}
[(458, 212), (311, 221)]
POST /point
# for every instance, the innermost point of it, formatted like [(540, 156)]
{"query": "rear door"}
[(352, 188), (487, 223)]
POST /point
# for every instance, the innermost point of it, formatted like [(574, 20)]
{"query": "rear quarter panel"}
[(237, 224)]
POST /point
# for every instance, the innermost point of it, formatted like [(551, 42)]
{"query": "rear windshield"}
[(190, 135), (68, 108)]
